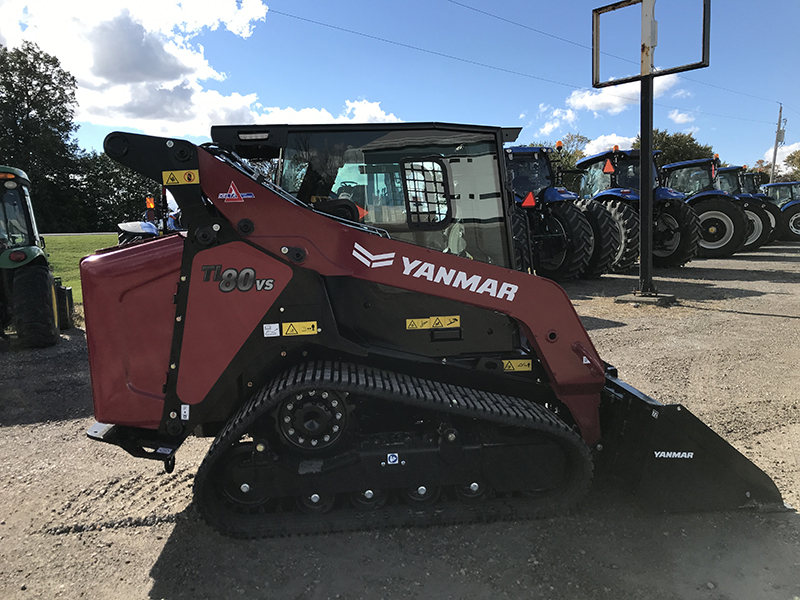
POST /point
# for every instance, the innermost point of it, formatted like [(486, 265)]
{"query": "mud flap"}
[(671, 461)]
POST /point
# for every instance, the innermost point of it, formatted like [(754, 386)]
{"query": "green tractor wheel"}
[(35, 306)]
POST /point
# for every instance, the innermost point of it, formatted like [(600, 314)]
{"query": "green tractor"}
[(31, 299)]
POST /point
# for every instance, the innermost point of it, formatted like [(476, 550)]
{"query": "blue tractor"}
[(612, 178), (570, 239), (786, 196), (724, 226), (765, 217)]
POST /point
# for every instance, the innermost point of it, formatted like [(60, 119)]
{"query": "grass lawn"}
[(66, 251)]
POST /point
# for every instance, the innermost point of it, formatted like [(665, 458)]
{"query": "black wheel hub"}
[(714, 230), (313, 420)]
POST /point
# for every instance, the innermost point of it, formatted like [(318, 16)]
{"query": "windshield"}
[(594, 180), (692, 179), (784, 193), (529, 172), (13, 223), (604, 174), (729, 182), (749, 183), (368, 171)]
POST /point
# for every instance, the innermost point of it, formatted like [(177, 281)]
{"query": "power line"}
[(410, 47), (584, 46), (493, 67)]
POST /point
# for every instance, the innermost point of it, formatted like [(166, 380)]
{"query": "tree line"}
[(73, 190), (76, 191)]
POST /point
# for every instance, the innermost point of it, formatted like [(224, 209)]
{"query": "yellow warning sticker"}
[(180, 177), (448, 322), (299, 328), (517, 365)]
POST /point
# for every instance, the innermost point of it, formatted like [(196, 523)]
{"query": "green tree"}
[(37, 107), (676, 147), (116, 193), (792, 163)]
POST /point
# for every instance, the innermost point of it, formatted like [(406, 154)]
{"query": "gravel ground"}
[(80, 519)]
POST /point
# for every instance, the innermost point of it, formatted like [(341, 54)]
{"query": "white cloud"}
[(682, 93), (137, 64), (607, 142), (363, 111), (548, 128), (783, 152), (555, 119), (615, 99), (679, 117)]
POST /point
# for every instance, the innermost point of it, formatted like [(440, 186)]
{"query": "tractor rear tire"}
[(676, 235), (760, 227), (775, 220), (628, 223), (607, 238), (521, 233), (723, 227), (34, 304), (568, 242), (791, 228)]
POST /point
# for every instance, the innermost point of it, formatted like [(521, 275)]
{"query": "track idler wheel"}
[(369, 499), (474, 491), (422, 495), (238, 481), (316, 503)]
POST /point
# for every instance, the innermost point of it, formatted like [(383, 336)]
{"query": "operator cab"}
[(692, 176), (430, 184), (17, 226), (529, 170), (611, 170)]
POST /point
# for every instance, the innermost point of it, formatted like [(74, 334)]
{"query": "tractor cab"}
[(613, 170), (17, 225), (782, 194), (693, 177), (530, 171), (733, 181), (751, 182)]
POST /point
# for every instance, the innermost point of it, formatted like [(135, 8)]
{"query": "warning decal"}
[(517, 365), (180, 177), (434, 322), (299, 328)]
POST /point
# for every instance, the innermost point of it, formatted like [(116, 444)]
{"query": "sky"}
[(174, 68)]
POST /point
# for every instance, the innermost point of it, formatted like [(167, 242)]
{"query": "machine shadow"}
[(610, 547), (31, 393)]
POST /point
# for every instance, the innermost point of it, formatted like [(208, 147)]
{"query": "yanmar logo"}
[(459, 279), (663, 454), (373, 261)]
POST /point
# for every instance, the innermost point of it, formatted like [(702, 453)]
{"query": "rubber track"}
[(414, 391)]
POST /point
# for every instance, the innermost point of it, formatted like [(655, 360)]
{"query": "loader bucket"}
[(671, 461)]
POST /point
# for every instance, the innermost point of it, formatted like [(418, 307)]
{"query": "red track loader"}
[(394, 370)]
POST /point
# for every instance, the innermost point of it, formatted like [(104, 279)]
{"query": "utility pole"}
[(779, 137)]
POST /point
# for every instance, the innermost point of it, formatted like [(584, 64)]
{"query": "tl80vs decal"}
[(231, 279)]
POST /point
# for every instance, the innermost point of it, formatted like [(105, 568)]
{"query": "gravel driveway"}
[(80, 519)]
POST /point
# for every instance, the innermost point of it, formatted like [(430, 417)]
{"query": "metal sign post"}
[(646, 76)]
